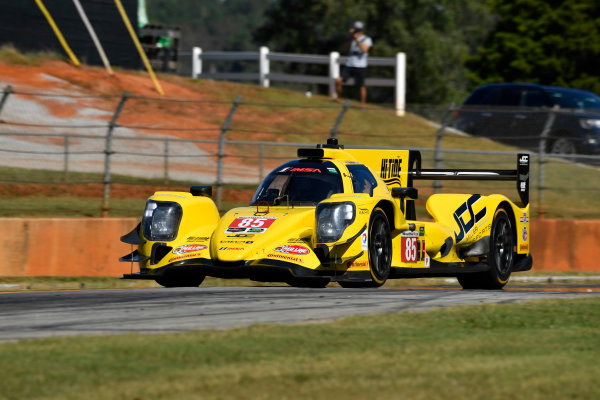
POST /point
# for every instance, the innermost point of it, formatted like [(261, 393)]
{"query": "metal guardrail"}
[(116, 149), (264, 76)]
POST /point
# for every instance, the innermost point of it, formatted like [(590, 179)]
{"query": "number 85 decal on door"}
[(413, 249)]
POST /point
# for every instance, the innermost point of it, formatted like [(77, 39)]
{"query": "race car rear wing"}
[(520, 175), (398, 168)]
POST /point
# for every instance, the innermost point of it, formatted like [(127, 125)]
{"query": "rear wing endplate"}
[(520, 175)]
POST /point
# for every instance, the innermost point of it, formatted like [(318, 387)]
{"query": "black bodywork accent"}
[(523, 178), (446, 247), (311, 153), (407, 195), (262, 270), (520, 175), (134, 256), (414, 164), (158, 252), (322, 251), (201, 190), (522, 263), (133, 237), (268, 270)]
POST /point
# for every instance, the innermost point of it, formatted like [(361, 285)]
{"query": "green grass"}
[(10, 55), (64, 206), (56, 199), (545, 350)]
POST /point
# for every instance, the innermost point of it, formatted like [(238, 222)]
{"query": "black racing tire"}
[(172, 280), (380, 247), (315, 283), (500, 258), (380, 252), (563, 146)]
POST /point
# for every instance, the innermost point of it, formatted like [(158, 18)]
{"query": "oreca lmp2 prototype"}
[(339, 215)]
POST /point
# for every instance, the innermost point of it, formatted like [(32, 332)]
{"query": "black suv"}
[(516, 113)]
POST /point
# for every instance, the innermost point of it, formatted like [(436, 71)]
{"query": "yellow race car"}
[(339, 215)]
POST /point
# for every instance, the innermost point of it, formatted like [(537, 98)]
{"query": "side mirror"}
[(404, 192), (201, 190)]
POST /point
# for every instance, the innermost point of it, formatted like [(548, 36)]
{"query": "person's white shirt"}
[(358, 58)]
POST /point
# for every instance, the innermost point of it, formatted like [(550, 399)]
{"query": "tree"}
[(436, 36), (551, 42), (211, 24)]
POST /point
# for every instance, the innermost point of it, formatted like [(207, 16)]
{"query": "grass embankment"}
[(79, 194), (10, 55), (545, 350)]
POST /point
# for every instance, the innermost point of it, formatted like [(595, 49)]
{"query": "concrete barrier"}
[(91, 246), (565, 245), (64, 246)]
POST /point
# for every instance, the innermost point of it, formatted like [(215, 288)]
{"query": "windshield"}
[(574, 99), (299, 182)]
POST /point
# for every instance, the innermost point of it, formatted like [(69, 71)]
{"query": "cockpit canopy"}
[(300, 182)]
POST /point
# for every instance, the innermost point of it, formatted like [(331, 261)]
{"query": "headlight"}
[(590, 123), (161, 220), (333, 219)]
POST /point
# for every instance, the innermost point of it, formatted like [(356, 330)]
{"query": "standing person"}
[(356, 66)]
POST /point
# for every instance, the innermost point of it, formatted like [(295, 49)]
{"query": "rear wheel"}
[(500, 256)]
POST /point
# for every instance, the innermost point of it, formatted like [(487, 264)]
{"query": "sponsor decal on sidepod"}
[(189, 248), (293, 249)]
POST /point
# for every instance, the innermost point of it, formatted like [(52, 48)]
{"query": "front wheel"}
[(380, 247), (500, 256), (380, 252)]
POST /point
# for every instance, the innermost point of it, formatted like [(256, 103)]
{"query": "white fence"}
[(264, 77)]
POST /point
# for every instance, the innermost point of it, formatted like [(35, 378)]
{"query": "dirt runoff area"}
[(57, 108)]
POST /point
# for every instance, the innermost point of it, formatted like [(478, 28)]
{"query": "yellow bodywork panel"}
[(389, 165)]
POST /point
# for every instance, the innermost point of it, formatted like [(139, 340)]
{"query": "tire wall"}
[(91, 246)]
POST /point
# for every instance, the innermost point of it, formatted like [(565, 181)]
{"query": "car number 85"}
[(252, 222), (409, 246)]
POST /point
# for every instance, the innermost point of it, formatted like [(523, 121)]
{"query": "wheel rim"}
[(380, 248), (503, 246)]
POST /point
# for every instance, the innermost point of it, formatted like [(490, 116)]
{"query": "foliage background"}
[(452, 46)]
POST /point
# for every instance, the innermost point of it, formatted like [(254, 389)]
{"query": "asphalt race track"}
[(83, 312)]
